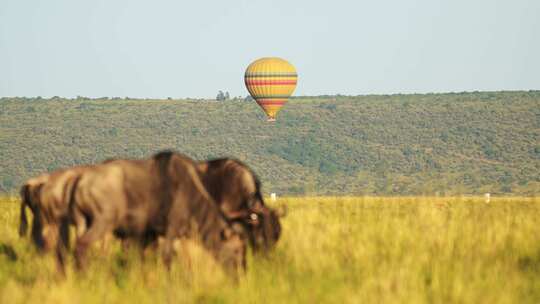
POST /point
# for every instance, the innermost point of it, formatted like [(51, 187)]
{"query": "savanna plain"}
[(333, 250)]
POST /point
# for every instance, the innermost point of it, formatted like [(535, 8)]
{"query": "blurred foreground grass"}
[(333, 250)]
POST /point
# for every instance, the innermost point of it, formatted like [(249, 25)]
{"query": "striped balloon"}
[(270, 81)]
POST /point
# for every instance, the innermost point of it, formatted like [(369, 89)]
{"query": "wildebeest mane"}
[(162, 161)]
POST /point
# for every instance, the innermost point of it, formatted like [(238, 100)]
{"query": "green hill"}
[(456, 143)]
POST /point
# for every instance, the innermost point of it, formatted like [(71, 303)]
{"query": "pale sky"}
[(180, 48)]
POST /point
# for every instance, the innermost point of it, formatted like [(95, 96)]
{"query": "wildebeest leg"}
[(168, 251), (147, 239), (106, 242), (185, 254), (97, 231), (125, 245), (80, 223), (173, 232), (62, 244), (175, 229)]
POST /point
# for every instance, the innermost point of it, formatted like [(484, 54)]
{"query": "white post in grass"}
[(488, 197), (273, 197)]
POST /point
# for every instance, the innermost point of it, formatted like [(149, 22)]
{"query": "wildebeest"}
[(237, 190), (232, 185), (144, 199)]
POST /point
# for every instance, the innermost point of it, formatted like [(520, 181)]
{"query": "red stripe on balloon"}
[(271, 82)]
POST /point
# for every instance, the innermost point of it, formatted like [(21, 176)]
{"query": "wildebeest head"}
[(193, 211), (262, 224), (237, 190)]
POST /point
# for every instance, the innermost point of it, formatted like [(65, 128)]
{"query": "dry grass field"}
[(333, 250)]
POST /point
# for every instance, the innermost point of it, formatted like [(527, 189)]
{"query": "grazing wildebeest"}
[(144, 199), (237, 190)]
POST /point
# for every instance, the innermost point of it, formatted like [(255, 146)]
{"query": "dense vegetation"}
[(456, 143), (333, 250)]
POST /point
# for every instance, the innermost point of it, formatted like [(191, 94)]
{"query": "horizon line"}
[(291, 97)]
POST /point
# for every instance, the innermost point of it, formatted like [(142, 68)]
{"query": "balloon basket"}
[(271, 119)]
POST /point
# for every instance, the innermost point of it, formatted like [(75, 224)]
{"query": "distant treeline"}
[(401, 144), (225, 96)]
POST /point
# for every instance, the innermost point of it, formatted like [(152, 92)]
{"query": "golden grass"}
[(333, 250)]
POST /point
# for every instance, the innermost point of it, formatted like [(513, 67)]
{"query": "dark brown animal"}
[(237, 191), (144, 199)]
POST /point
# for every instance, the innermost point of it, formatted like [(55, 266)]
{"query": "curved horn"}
[(247, 216), (236, 215)]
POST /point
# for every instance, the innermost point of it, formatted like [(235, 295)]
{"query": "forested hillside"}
[(457, 143)]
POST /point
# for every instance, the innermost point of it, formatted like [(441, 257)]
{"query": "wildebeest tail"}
[(25, 201)]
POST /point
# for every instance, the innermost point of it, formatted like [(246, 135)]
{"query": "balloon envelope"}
[(270, 81)]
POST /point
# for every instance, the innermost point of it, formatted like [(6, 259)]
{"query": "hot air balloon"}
[(270, 81)]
